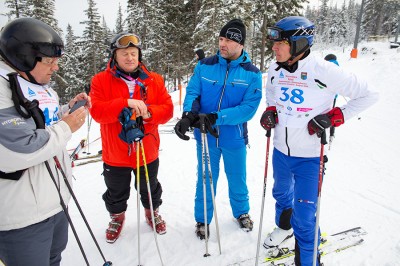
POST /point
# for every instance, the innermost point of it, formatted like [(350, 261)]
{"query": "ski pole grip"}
[(332, 131), (268, 133), (323, 137), (202, 118)]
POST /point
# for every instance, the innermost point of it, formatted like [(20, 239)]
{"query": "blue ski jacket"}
[(232, 90)]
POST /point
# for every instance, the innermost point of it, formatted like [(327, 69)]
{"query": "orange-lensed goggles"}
[(125, 40)]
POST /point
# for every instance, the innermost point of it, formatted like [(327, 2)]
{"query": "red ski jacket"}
[(109, 95)]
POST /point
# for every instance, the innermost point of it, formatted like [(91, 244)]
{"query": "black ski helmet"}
[(23, 40), (132, 40)]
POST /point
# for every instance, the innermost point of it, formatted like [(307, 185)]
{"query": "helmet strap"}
[(293, 62), (31, 78)]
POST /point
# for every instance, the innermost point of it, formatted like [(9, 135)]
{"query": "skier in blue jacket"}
[(227, 88)]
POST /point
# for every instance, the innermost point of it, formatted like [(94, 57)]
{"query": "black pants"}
[(118, 180)]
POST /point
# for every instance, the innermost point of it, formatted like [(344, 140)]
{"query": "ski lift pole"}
[(268, 134), (321, 173)]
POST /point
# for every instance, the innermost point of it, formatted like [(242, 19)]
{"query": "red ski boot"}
[(161, 226), (115, 227)]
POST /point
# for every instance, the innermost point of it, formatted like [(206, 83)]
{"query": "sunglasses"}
[(125, 40)]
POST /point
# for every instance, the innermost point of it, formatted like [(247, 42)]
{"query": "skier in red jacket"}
[(128, 85)]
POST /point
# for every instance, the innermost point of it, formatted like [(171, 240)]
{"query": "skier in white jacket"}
[(33, 129), (299, 96)]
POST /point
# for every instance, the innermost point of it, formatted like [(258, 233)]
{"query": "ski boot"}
[(161, 226), (245, 222), (115, 227), (277, 236), (201, 230)]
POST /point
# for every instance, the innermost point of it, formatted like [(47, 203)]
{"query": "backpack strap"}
[(31, 110)]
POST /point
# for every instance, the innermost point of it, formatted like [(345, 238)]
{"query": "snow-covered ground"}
[(361, 187)]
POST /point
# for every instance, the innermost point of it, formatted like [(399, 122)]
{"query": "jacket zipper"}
[(286, 141), (222, 94)]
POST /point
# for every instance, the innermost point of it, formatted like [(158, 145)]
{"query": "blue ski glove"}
[(131, 131)]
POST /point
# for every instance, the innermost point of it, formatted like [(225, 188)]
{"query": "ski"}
[(77, 149), (99, 159), (99, 154), (283, 254), (166, 131), (338, 241), (332, 248)]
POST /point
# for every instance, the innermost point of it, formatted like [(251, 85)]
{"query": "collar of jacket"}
[(243, 58), (143, 72)]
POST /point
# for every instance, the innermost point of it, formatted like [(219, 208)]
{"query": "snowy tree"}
[(44, 11), (16, 8), (92, 43), (73, 64), (119, 23), (19, 8)]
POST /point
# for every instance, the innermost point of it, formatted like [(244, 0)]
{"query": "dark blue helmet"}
[(298, 31)]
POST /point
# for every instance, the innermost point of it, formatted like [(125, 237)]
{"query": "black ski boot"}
[(201, 231), (245, 222)]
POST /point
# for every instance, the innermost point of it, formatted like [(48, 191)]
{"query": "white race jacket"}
[(306, 93), (33, 198)]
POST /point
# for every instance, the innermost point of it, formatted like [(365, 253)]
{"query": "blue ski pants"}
[(296, 187), (39, 244), (235, 170)]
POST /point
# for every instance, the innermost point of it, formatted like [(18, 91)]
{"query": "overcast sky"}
[(71, 11)]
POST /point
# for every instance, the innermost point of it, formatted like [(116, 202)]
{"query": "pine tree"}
[(19, 8), (44, 11), (119, 25), (92, 43), (72, 67)]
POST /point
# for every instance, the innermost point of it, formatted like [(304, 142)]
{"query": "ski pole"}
[(206, 167), (207, 160), (80, 210), (78, 148), (332, 128), (268, 134), (321, 171), (89, 119), (204, 193), (150, 199), (64, 207), (138, 198)]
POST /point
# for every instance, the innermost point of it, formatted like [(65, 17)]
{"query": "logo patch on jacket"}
[(303, 75), (31, 92)]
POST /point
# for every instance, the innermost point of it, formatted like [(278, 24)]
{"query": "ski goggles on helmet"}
[(276, 34), (126, 40)]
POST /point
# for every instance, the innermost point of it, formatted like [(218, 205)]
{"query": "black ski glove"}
[(206, 122), (188, 119), (269, 118), (318, 124)]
